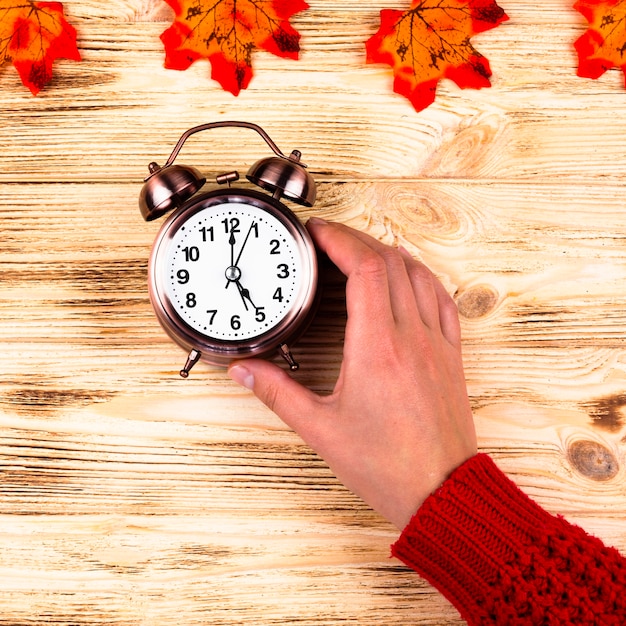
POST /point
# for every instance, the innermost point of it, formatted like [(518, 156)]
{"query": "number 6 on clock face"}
[(233, 275)]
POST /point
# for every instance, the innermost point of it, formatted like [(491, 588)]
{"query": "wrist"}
[(410, 497)]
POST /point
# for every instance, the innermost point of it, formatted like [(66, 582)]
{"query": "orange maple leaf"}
[(431, 41), (32, 36), (603, 45), (226, 32)]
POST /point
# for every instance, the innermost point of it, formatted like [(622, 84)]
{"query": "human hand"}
[(398, 421)]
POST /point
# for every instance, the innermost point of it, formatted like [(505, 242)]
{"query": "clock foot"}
[(285, 352), (192, 359)]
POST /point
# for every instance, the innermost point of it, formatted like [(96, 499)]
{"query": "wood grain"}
[(129, 496)]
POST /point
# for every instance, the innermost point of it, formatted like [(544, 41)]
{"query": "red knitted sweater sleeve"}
[(502, 559)]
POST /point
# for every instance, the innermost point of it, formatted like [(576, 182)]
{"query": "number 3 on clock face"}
[(232, 271)]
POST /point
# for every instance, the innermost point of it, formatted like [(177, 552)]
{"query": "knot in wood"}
[(593, 460), (477, 301)]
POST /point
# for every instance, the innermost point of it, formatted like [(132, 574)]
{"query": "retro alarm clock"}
[(232, 272)]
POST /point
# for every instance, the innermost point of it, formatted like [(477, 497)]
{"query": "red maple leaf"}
[(431, 41), (226, 32), (32, 36), (603, 45)]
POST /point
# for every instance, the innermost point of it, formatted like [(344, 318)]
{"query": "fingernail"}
[(317, 220), (242, 376)]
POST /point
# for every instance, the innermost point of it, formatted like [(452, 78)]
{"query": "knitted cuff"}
[(501, 559)]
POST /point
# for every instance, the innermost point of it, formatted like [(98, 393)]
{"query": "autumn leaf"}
[(603, 45), (32, 36), (431, 41), (226, 32)]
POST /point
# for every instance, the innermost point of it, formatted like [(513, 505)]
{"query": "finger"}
[(448, 316), (437, 307), (404, 304), (292, 402), (424, 283), (412, 285), (366, 273)]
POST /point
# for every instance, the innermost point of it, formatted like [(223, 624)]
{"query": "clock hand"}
[(232, 242), (244, 293), (245, 241)]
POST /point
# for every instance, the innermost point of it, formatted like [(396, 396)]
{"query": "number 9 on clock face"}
[(233, 275)]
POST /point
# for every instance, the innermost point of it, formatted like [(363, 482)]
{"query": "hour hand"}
[(244, 293)]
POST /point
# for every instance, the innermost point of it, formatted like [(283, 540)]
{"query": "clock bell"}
[(168, 187)]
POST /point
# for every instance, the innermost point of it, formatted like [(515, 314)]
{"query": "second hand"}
[(245, 241)]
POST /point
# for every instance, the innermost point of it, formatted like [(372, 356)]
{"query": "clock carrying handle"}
[(227, 124), (168, 187)]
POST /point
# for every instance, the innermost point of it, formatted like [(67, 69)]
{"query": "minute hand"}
[(245, 241)]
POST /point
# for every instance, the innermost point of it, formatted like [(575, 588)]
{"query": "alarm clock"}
[(233, 272)]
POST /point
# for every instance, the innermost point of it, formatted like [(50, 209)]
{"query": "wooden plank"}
[(129, 496), (533, 290)]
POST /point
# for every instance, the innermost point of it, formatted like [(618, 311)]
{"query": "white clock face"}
[(232, 271)]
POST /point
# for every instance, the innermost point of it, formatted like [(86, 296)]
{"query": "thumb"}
[(290, 400)]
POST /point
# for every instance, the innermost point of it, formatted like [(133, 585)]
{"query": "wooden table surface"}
[(129, 496)]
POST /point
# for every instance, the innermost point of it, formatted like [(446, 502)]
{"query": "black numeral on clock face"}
[(192, 253), (231, 225), (208, 234)]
